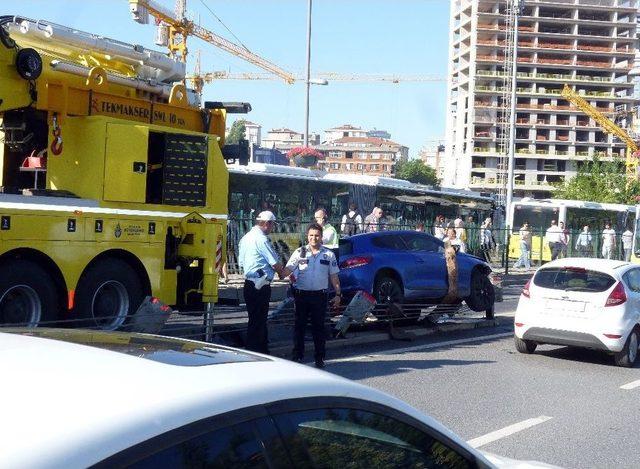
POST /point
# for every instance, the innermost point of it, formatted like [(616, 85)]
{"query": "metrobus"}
[(575, 214), (293, 194)]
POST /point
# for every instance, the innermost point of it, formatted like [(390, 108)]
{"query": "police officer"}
[(313, 266), (260, 263)]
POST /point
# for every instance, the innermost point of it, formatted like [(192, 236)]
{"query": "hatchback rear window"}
[(573, 279)]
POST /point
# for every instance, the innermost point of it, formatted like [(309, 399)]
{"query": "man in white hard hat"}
[(259, 263)]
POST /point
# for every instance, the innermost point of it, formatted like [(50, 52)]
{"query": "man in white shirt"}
[(313, 267), (608, 242), (351, 221), (627, 244), (554, 235)]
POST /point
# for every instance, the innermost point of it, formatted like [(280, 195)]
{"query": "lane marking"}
[(631, 385), (507, 431), (417, 348)]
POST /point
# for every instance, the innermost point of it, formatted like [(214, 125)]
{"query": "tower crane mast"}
[(179, 28)]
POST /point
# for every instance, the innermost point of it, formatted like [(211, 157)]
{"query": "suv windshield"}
[(573, 279)]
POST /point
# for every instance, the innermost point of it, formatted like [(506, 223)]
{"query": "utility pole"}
[(308, 77)]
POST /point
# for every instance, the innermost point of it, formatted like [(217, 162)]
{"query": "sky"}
[(395, 37)]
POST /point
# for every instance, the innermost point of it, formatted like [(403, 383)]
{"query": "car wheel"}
[(627, 356), (387, 290), (482, 295), (28, 296), (524, 346), (108, 293)]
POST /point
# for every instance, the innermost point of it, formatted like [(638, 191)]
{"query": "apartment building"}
[(285, 139), (253, 133), (362, 155), (433, 156), (588, 44), (346, 130)]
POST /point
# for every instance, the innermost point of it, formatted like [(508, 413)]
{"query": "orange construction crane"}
[(178, 28)]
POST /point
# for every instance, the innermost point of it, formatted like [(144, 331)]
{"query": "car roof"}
[(73, 405), (609, 266)]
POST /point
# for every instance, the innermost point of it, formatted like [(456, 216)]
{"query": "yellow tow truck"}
[(113, 183)]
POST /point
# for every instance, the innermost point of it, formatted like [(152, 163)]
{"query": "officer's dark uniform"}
[(310, 293)]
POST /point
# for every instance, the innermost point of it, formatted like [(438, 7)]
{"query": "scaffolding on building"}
[(505, 101)]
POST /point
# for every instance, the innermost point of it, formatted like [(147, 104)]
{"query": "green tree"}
[(237, 132), (600, 181), (416, 171)]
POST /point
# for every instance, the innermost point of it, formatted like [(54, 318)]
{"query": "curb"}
[(284, 351)]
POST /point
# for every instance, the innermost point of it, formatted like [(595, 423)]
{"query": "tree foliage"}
[(237, 132), (600, 181), (416, 171)]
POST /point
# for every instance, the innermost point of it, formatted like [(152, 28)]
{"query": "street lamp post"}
[(308, 77)]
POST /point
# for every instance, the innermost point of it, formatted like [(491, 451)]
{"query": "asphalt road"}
[(560, 405)]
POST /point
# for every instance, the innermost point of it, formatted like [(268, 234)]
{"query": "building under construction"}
[(588, 44)]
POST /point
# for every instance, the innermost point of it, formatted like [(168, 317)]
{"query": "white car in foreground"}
[(591, 303), (85, 398)]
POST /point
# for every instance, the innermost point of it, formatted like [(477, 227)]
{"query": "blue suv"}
[(409, 267)]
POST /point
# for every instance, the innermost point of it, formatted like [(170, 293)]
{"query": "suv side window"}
[(237, 446), (632, 279), (336, 437), (388, 242), (420, 242)]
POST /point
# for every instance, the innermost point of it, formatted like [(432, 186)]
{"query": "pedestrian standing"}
[(553, 239), (564, 240), (351, 221), (627, 244), (374, 221), (260, 263), (452, 240), (420, 227), (525, 247), (329, 233), (486, 240), (608, 242), (439, 228), (584, 243), (313, 266), (461, 233)]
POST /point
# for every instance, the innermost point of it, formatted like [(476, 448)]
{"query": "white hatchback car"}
[(591, 303), (86, 398)]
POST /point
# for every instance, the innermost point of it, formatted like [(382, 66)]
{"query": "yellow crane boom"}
[(606, 124), (330, 76), (180, 28)]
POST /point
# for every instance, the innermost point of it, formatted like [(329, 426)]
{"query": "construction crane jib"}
[(607, 125), (180, 28)]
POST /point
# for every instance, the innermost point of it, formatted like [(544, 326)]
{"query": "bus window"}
[(538, 217)]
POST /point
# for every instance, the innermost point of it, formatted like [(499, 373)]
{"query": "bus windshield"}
[(538, 217)]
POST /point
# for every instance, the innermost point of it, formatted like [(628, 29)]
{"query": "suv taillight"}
[(357, 261), (617, 296), (525, 291)]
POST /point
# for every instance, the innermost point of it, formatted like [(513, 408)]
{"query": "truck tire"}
[(108, 294), (482, 296), (28, 295)]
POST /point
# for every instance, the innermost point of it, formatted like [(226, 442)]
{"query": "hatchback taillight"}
[(525, 291), (617, 296), (357, 261)]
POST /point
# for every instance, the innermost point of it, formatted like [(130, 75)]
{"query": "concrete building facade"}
[(588, 44), (346, 130)]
